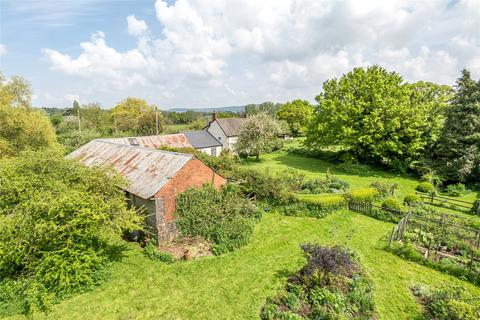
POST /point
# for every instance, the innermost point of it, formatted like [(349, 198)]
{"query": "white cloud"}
[(3, 50), (136, 27), (241, 51)]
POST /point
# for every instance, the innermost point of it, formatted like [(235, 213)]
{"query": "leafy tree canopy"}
[(137, 116), (374, 114), (296, 113), (60, 223), (259, 134), (21, 127)]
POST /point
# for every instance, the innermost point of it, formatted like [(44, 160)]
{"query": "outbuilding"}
[(155, 178)]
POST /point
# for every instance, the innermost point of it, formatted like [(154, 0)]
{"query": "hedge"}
[(425, 187), (394, 205), (363, 195), (318, 206), (412, 199)]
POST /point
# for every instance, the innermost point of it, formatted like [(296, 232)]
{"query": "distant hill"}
[(230, 108)]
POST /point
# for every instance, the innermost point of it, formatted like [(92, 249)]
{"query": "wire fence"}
[(441, 201)]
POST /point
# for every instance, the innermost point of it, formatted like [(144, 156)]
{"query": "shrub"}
[(330, 286), (263, 186), (153, 253), (223, 217), (385, 188), (314, 206), (394, 205), (447, 303), (425, 187), (412, 199), (60, 226), (330, 185), (355, 168), (364, 195), (456, 190)]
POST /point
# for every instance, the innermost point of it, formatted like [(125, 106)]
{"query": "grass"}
[(235, 285)]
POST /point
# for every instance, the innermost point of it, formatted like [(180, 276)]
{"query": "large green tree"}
[(374, 114), (21, 127), (259, 134), (296, 113), (136, 116), (457, 152)]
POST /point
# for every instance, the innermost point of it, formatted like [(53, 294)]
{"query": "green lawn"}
[(235, 285)]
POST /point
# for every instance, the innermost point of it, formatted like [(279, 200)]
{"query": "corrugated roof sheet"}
[(147, 170), (231, 126), (201, 139), (178, 140)]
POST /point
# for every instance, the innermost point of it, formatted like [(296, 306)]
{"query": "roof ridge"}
[(142, 147)]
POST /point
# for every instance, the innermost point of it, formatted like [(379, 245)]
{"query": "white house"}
[(225, 130)]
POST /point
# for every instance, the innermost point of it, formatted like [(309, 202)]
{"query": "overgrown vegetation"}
[(223, 217), (330, 286), (60, 226), (447, 303), (152, 252)]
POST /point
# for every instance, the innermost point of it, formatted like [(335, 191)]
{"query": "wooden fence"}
[(445, 239), (437, 200)]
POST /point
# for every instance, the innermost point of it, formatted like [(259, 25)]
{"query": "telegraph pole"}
[(79, 123)]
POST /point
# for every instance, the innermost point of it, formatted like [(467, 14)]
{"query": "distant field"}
[(235, 285)]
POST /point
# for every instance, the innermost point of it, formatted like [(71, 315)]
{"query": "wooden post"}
[(391, 237)]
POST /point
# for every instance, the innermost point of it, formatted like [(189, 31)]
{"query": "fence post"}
[(391, 237)]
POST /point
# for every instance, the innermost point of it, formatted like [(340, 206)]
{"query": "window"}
[(213, 151)]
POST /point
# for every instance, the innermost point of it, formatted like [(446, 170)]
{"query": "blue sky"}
[(190, 53)]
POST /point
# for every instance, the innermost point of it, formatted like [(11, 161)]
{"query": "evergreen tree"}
[(457, 156)]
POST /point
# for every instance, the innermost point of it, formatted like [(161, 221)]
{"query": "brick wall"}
[(194, 174)]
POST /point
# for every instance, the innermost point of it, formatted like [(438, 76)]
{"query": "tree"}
[(457, 152), (136, 116), (21, 128), (60, 225), (297, 114), (259, 134), (16, 92), (268, 107), (372, 113)]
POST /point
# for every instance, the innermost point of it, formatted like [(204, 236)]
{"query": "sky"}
[(214, 53)]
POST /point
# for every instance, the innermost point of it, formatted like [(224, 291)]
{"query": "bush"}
[(60, 226), (263, 186), (364, 195), (394, 205), (476, 208), (425, 187), (330, 286), (355, 168), (412, 199), (223, 217), (385, 189), (456, 190), (330, 185), (447, 303), (314, 206), (153, 253)]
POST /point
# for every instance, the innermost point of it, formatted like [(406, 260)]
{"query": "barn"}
[(155, 178)]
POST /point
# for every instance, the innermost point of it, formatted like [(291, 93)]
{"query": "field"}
[(235, 285)]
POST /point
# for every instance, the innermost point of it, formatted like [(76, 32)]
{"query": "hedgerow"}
[(318, 206), (364, 195), (223, 217), (330, 286), (60, 226)]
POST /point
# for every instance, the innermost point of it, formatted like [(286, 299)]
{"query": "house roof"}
[(147, 170), (178, 140), (201, 139), (231, 126)]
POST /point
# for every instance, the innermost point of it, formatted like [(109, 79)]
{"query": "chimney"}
[(214, 116)]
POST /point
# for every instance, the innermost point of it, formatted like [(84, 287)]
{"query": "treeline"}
[(373, 116)]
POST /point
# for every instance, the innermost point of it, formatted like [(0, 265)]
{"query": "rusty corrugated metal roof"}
[(178, 140), (147, 170)]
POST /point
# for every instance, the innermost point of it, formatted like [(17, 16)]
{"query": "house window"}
[(213, 151)]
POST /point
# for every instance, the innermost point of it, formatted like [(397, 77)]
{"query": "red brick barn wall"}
[(194, 174)]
